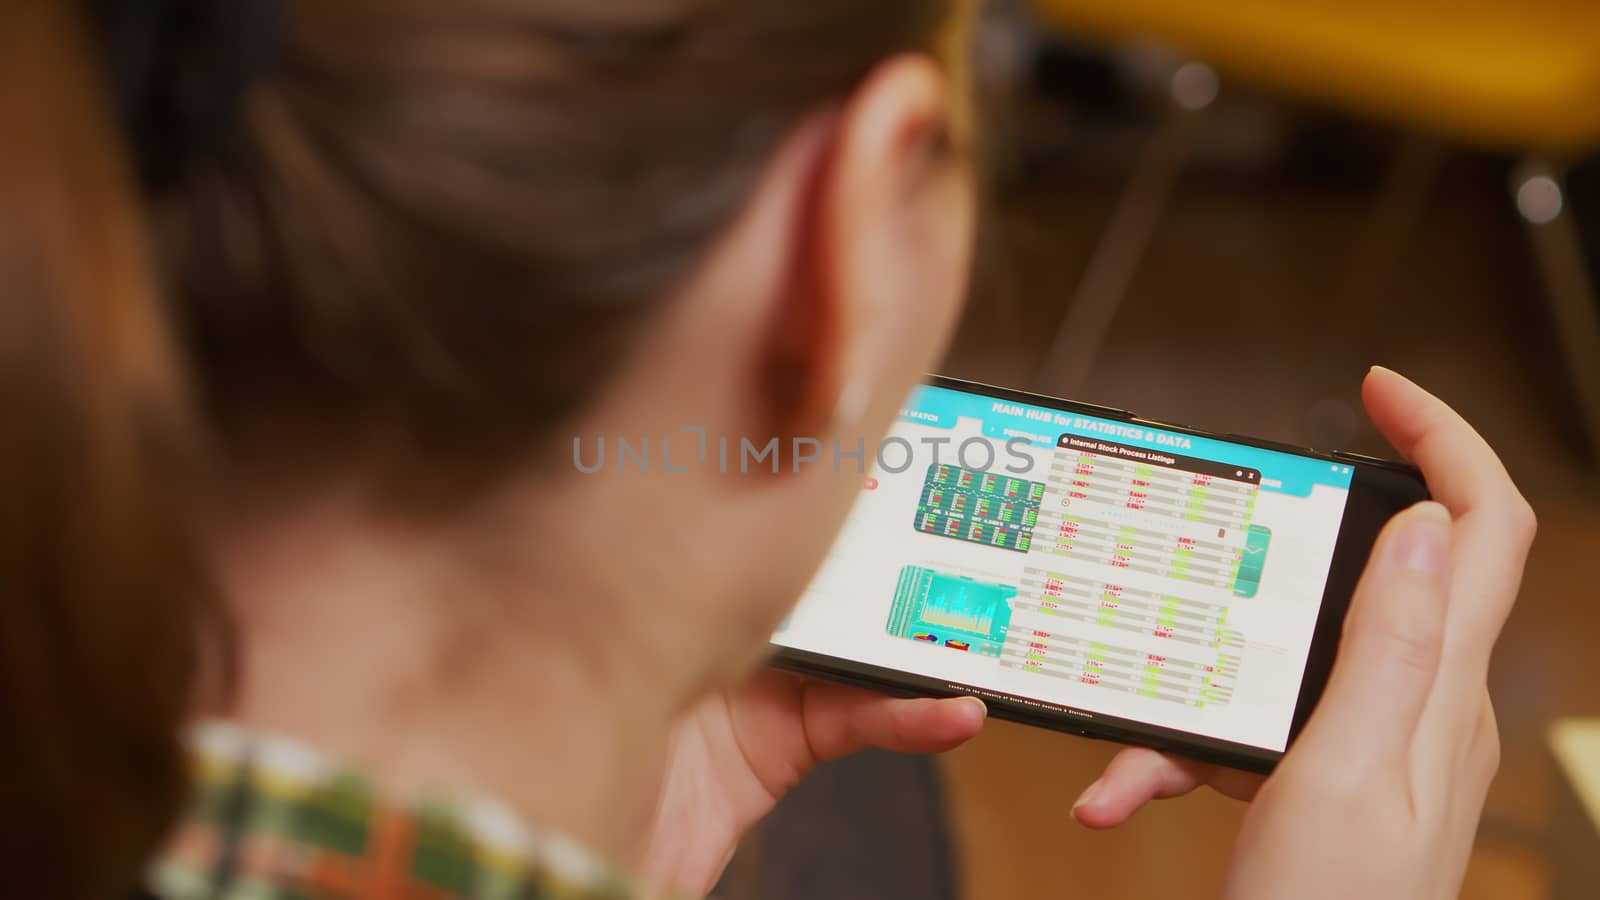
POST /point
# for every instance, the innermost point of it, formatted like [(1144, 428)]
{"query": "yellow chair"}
[(1521, 77)]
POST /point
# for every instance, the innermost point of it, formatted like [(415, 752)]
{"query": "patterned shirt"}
[(273, 820)]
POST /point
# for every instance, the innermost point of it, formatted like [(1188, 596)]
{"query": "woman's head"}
[(448, 223), (439, 242)]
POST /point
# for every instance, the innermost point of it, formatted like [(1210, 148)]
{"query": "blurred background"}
[(1222, 215)]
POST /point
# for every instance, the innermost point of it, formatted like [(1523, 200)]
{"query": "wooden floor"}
[(1234, 323)]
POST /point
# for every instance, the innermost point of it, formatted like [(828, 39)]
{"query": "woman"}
[(304, 304)]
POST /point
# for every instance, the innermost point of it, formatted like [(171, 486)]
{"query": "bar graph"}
[(953, 611)]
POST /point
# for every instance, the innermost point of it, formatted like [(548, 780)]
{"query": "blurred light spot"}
[(1539, 200), (1194, 86)]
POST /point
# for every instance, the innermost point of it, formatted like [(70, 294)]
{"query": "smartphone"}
[(1083, 569)]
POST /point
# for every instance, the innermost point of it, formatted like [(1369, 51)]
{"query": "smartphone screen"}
[(1092, 567)]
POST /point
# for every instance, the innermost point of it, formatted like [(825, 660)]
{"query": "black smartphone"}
[(1086, 570)]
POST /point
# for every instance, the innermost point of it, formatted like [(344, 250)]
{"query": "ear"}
[(883, 257)]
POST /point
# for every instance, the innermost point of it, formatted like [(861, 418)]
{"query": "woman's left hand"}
[(735, 757), (1472, 483)]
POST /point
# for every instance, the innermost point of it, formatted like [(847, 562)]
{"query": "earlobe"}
[(854, 397)]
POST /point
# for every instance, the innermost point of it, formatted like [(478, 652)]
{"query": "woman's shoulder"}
[(270, 817)]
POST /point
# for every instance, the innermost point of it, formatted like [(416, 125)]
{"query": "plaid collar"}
[(272, 820)]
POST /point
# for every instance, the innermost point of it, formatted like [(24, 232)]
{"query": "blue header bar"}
[(1003, 420)]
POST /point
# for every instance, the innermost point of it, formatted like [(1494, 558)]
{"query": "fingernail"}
[(1385, 370), (1391, 373), (983, 708), (1423, 546), (1087, 796)]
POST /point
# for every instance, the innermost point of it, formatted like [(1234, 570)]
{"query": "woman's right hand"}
[(1380, 796)]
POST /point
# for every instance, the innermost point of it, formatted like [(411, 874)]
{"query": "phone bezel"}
[(1379, 488)]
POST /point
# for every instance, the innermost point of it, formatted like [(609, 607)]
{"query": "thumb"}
[(1390, 651)]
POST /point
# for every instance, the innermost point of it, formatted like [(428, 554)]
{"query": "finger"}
[(840, 720), (1138, 775), (1495, 525), (1463, 471), (1393, 640)]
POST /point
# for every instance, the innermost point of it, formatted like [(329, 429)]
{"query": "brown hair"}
[(436, 226)]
